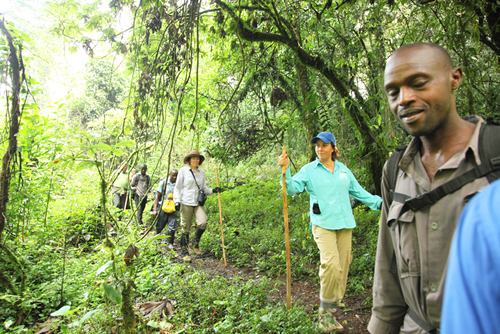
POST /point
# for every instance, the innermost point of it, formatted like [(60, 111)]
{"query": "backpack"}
[(489, 152)]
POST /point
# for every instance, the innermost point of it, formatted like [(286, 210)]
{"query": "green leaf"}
[(62, 311), (127, 143), (104, 267), (112, 293), (10, 298), (118, 152), (104, 147), (82, 165), (87, 316), (153, 324)]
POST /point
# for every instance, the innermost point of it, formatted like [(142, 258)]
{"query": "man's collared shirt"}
[(419, 244)]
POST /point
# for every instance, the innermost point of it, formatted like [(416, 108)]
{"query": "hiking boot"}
[(195, 245), (184, 247), (328, 323), (170, 240)]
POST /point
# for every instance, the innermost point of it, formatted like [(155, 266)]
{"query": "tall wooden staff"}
[(220, 215), (287, 241)]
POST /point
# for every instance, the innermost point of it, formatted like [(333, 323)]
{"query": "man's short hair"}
[(443, 51)]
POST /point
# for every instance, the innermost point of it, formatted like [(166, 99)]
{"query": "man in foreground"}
[(414, 242)]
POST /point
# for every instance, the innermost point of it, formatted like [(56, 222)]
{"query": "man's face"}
[(144, 169), (124, 169), (173, 176), (420, 85)]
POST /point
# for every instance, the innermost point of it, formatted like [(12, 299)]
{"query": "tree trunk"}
[(309, 116), (15, 114)]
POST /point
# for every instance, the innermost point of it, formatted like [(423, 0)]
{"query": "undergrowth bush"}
[(254, 229), (61, 272)]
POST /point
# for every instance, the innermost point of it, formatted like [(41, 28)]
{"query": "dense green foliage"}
[(236, 80)]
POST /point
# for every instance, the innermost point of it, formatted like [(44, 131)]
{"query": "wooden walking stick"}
[(220, 215), (287, 241)]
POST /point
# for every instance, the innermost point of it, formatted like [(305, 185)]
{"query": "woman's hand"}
[(283, 161)]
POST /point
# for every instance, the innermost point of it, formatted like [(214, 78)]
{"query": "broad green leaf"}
[(87, 316), (104, 147), (104, 267), (153, 324), (62, 311), (118, 152), (127, 143), (112, 293), (10, 298), (82, 165)]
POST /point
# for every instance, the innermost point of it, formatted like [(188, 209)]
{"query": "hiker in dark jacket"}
[(140, 185)]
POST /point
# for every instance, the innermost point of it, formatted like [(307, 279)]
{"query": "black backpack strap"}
[(422, 323), (392, 174), (489, 148)]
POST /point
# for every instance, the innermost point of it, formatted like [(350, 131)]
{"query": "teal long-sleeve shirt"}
[(331, 191)]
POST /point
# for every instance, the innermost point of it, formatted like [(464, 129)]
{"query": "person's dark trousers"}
[(119, 200), (140, 205), (164, 219)]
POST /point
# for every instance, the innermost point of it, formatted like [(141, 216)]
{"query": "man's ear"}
[(456, 78)]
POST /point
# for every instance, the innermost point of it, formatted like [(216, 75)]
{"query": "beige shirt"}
[(420, 242)]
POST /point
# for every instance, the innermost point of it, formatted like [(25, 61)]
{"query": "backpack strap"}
[(392, 174), (489, 148), (489, 139)]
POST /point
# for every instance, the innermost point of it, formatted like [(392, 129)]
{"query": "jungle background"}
[(88, 85)]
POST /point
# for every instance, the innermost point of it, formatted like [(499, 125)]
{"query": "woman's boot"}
[(196, 241), (184, 247)]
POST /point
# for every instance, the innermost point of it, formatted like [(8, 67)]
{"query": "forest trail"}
[(354, 317)]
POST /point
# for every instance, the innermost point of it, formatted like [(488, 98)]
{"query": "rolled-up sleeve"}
[(359, 193), (296, 184)]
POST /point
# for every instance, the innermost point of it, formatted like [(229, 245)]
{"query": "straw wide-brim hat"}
[(194, 154)]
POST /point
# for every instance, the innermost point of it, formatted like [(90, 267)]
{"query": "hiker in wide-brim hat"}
[(191, 185), (191, 154)]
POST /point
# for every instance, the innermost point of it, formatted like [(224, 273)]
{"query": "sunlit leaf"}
[(103, 267), (104, 147), (62, 311), (82, 165), (126, 143)]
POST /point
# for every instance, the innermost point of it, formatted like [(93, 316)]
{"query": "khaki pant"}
[(187, 213), (335, 255)]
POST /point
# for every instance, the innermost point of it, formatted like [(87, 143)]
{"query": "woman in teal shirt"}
[(329, 184)]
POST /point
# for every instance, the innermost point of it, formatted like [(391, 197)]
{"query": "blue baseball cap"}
[(326, 137)]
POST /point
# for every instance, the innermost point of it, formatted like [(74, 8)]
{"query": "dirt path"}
[(354, 317)]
